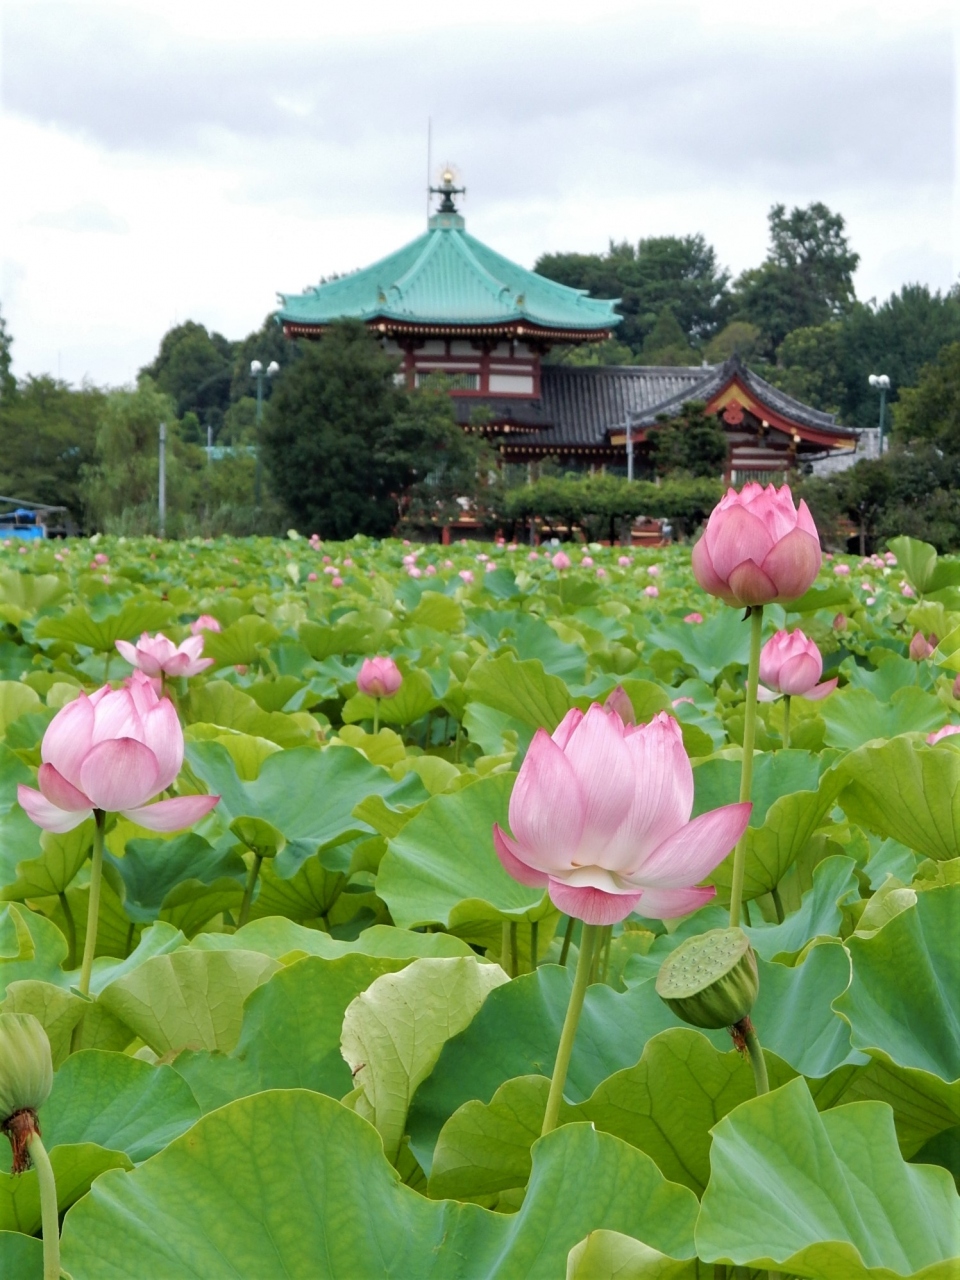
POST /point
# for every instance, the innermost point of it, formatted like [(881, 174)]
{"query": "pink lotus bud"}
[(348, 563), (481, 557), (921, 647), (841, 570), (587, 562), (757, 547), (890, 558), (601, 571), (241, 668), (156, 655), (907, 590), (414, 571), (312, 577), (600, 815), (618, 701), (512, 546), (448, 564), (651, 591), (326, 560), (947, 731), (561, 560), (693, 618), (840, 622), (100, 558), (379, 677), (206, 622), (406, 542), (791, 664), (624, 562), (431, 570), (467, 576), (653, 570), (113, 751), (490, 566), (534, 555), (870, 600), (336, 582), (866, 586)]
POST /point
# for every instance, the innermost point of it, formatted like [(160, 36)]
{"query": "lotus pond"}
[(320, 1025)]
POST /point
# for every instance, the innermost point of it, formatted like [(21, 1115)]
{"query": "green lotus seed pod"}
[(26, 1065), (711, 980)]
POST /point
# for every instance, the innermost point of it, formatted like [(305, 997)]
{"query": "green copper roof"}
[(446, 277)]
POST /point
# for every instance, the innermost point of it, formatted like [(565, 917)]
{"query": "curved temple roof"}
[(447, 278)]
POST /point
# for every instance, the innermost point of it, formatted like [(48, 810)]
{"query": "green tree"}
[(49, 433), (328, 416), (666, 343), (931, 410), (8, 384), (693, 443), (679, 272), (265, 344), (739, 337), (806, 279), (195, 368)]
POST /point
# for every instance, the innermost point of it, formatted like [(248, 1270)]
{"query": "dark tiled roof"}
[(717, 377), (583, 404), (512, 409)]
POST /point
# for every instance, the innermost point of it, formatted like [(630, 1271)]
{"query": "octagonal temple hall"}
[(447, 303)]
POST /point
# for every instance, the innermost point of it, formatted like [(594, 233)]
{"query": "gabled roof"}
[(732, 380), (447, 278)]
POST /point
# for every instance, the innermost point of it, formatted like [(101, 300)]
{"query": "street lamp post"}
[(882, 384), (629, 448), (257, 371)]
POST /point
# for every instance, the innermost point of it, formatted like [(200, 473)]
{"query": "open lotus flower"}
[(114, 751), (379, 677), (561, 560), (156, 655), (757, 547), (600, 815), (206, 622), (791, 664)]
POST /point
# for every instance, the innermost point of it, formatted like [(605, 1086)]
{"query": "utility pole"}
[(882, 384), (162, 492), (629, 449), (256, 371)]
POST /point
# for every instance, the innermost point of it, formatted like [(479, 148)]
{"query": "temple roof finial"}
[(447, 190)]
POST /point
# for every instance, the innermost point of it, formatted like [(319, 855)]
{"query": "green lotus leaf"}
[(442, 869), (217, 702), (75, 1165), (99, 629), (245, 1218), (907, 791), (393, 1033), (188, 999), (856, 1210), (856, 716), (239, 644), (21, 1256), (523, 690), (117, 1102), (151, 869), (58, 864), (721, 639), (290, 1037), (437, 611), (414, 699), (917, 559), (610, 1255), (58, 1011)]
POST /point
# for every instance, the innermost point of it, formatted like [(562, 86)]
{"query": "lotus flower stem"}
[(534, 931), (248, 891), (588, 945), (376, 716), (565, 946), (786, 721), (746, 770), (48, 1207), (93, 907), (514, 956), (745, 1037), (778, 904)]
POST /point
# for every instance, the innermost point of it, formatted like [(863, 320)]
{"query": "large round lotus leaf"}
[(290, 1183), (21, 1256), (824, 1194)]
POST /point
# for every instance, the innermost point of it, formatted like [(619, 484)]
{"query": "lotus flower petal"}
[(740, 536), (513, 864), (172, 815), (61, 792), (751, 585), (667, 904), (691, 853), (794, 563), (601, 761), (592, 906), (39, 810), (547, 810), (69, 737), (120, 774)]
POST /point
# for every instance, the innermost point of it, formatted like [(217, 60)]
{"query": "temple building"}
[(446, 303)]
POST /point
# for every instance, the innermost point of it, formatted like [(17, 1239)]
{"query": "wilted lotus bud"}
[(711, 980), (840, 622), (921, 647), (26, 1078)]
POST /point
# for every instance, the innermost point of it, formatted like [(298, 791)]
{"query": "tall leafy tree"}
[(8, 384), (195, 368), (931, 410), (678, 272), (693, 443), (807, 277)]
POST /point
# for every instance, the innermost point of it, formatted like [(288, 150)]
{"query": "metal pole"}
[(258, 473), (629, 449), (162, 493), (209, 444), (883, 406)]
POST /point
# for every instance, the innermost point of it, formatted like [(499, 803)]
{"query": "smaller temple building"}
[(447, 303)]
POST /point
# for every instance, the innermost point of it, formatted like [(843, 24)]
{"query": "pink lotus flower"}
[(907, 590), (114, 751), (512, 546), (947, 731), (561, 560), (840, 622), (490, 566), (156, 655), (890, 558), (336, 581), (534, 555), (758, 547), (431, 570), (841, 570), (601, 571), (312, 577), (921, 647), (624, 562), (379, 677), (618, 700), (587, 562), (467, 576), (600, 815), (651, 591), (693, 618), (791, 664), (653, 570), (204, 623)]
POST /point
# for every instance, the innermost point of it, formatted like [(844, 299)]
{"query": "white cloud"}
[(177, 160)]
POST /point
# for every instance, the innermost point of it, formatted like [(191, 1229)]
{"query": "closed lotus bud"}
[(26, 1078), (711, 980), (921, 647)]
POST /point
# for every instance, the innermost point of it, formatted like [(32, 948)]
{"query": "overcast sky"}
[(173, 159)]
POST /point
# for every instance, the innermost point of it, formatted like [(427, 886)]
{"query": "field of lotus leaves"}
[(319, 1028)]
